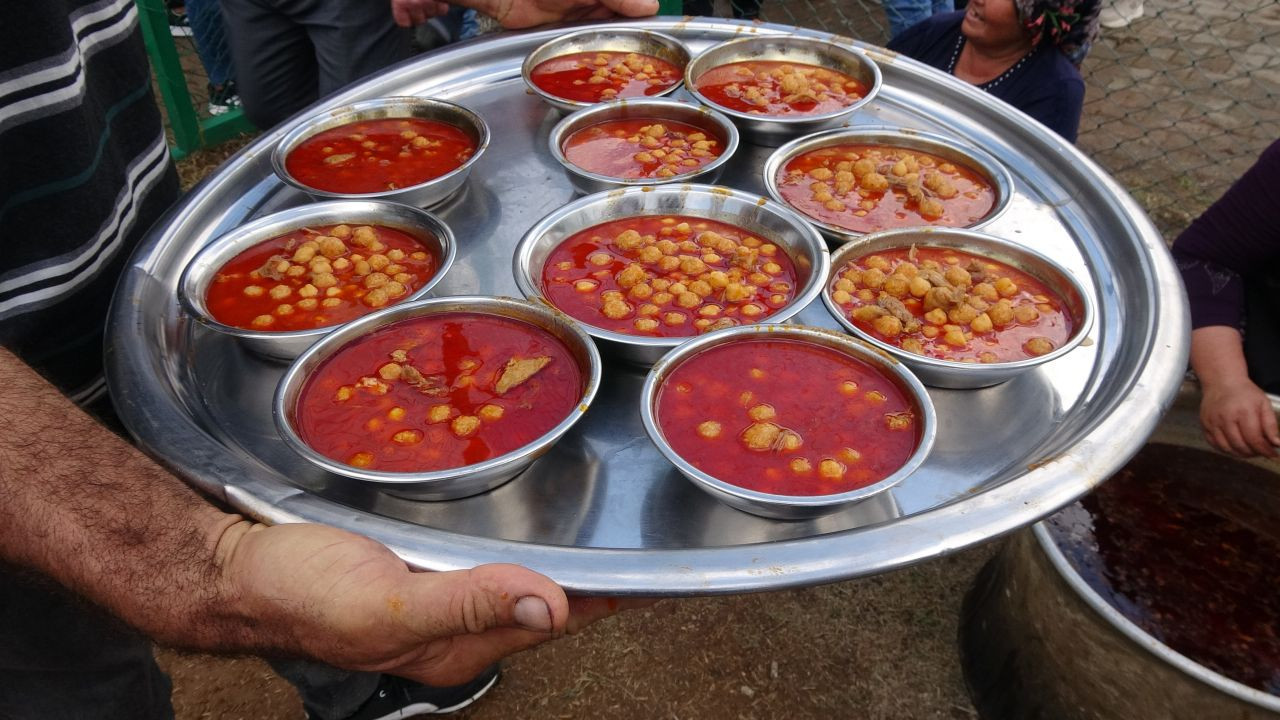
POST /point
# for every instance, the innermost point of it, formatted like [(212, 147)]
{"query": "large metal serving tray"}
[(604, 512)]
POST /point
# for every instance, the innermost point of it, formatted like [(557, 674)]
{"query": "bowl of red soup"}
[(961, 308), (439, 399), (583, 68), (647, 268), (417, 151), (855, 181), (787, 421), (642, 142), (281, 282), (778, 87)]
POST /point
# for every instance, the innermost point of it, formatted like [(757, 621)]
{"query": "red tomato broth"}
[(771, 87), (642, 148), (1005, 342), (864, 204), (368, 156), (572, 264), (440, 347), (240, 294), (806, 386), (620, 75)]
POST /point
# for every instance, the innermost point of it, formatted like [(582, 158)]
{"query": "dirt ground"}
[(882, 647)]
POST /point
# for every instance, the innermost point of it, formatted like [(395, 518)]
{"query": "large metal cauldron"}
[(1038, 642)]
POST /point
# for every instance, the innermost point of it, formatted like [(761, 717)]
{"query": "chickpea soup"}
[(668, 276), (951, 305), (604, 75), (865, 188), (642, 148), (438, 391), (318, 277), (370, 156), (787, 417), (768, 87)]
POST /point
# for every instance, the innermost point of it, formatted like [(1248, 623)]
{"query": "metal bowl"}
[(454, 482), (787, 507), (647, 42), (773, 130), (703, 118), (756, 214), (424, 194), (950, 373), (199, 273), (992, 171)]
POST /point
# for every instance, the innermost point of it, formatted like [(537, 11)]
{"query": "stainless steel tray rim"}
[(1076, 461)]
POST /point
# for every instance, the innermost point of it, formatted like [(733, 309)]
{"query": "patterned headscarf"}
[(1070, 25)]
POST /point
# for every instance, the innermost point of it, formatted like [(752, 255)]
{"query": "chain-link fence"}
[(200, 38)]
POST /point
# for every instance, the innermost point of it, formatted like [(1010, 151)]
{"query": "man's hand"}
[(1238, 419), (351, 602), (516, 14), (410, 13)]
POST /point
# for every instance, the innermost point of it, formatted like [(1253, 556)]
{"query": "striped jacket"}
[(84, 172)]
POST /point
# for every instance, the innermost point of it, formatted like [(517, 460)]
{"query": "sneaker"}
[(1119, 13), (398, 698), (178, 24), (223, 98)]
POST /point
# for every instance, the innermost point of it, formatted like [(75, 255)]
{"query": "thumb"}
[(632, 8), (466, 620)]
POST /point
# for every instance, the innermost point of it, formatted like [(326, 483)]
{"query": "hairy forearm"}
[(85, 508), (1217, 355)]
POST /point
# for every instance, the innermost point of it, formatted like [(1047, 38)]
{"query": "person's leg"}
[(327, 692), (211, 40), (275, 63), (940, 6), (61, 659), (902, 14), (353, 39)]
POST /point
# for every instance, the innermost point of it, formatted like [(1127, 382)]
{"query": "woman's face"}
[(993, 23)]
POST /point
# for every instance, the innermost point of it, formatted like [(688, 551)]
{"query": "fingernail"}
[(532, 613)]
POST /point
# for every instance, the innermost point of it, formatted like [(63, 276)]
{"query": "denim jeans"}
[(211, 40), (902, 14)]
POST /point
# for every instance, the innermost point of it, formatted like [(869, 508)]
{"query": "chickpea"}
[(1038, 346), (439, 413), (375, 280), (761, 436), (263, 321), (1002, 313), (616, 309), (1026, 314), (673, 318), (958, 276), (407, 437), (762, 412), (821, 173), (490, 412), (361, 459), (330, 302), (284, 309), (465, 425), (752, 310), (841, 297), (376, 298), (361, 267), (342, 232), (981, 324), (717, 280), (955, 338), (913, 345), (897, 286), (641, 291), (986, 291), (898, 421), (962, 315), (986, 356), (280, 292), (586, 286), (331, 247), (395, 289), (887, 325), (862, 167), (600, 259), (364, 236), (378, 261), (305, 252), (830, 469), (932, 208), (873, 278), (254, 291), (848, 388), (668, 263), (800, 466), (1006, 287), (709, 429), (849, 455), (692, 265), (874, 182)]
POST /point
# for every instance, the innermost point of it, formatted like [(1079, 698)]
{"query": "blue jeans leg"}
[(902, 14), (211, 40)]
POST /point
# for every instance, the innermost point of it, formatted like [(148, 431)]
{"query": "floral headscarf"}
[(1070, 25)]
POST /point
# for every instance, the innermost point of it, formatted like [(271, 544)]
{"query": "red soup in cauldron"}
[(438, 392), (865, 188), (951, 305), (317, 277), (642, 148), (668, 276), (787, 417), (370, 156), (770, 87), (604, 75)]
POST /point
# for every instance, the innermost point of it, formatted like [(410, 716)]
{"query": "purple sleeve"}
[(1235, 236)]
